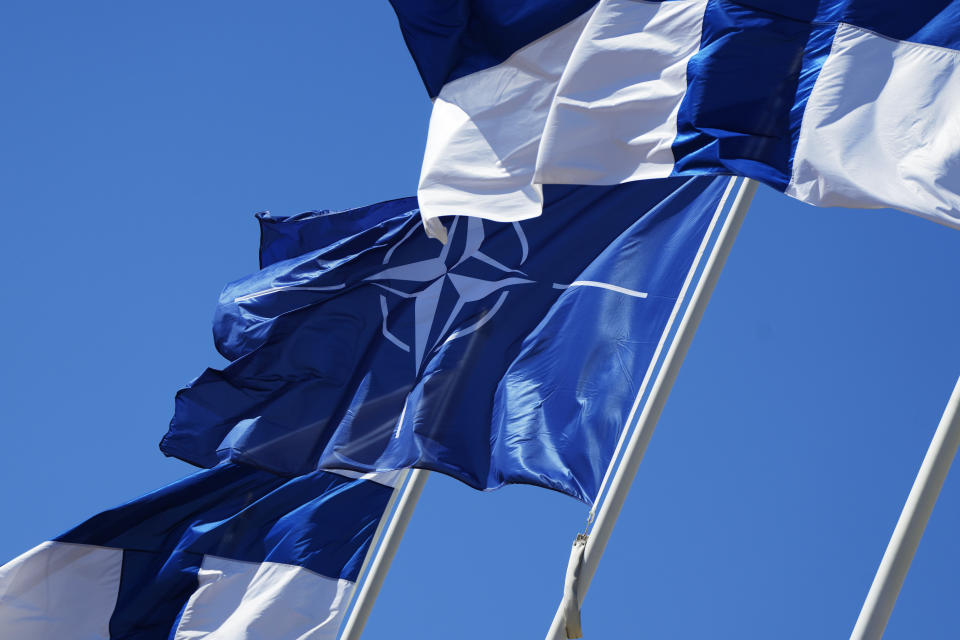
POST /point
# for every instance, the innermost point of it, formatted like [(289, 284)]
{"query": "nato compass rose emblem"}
[(462, 283)]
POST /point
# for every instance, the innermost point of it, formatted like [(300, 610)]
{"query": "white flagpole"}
[(398, 486), (640, 438), (370, 587), (913, 520)]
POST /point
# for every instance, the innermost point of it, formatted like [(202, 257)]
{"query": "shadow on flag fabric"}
[(843, 103), (230, 552), (512, 354)]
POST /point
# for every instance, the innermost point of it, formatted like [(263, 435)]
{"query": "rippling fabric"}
[(453, 38), (226, 550), (636, 89), (512, 354)]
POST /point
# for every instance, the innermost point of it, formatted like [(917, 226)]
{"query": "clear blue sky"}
[(137, 140)]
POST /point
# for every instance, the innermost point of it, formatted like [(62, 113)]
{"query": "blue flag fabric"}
[(453, 39), (512, 354), (229, 552), (834, 102)]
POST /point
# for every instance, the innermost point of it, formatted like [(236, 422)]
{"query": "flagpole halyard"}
[(370, 587), (640, 438), (913, 520)]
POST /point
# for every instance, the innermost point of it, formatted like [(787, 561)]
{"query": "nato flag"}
[(511, 354)]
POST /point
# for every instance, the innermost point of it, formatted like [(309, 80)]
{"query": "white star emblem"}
[(424, 281)]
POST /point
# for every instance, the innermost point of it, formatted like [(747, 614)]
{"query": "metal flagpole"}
[(640, 438), (370, 587), (398, 486), (913, 520)]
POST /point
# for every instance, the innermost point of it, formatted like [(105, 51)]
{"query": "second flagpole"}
[(911, 525), (640, 438), (384, 555)]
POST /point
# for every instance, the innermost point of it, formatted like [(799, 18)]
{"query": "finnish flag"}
[(850, 103), (227, 553)]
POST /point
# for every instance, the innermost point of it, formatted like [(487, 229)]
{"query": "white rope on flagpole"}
[(913, 520), (370, 587), (640, 438)]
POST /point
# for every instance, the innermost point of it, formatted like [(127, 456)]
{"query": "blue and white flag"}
[(511, 354), (231, 552), (840, 103)]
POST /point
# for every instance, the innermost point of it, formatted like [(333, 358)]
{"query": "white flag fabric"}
[(850, 103)]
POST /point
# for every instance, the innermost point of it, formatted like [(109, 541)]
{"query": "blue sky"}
[(136, 142)]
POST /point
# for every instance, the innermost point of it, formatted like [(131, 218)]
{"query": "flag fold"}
[(512, 354), (230, 552), (842, 103)]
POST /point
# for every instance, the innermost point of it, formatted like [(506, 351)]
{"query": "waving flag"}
[(511, 354), (232, 552), (846, 103)]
